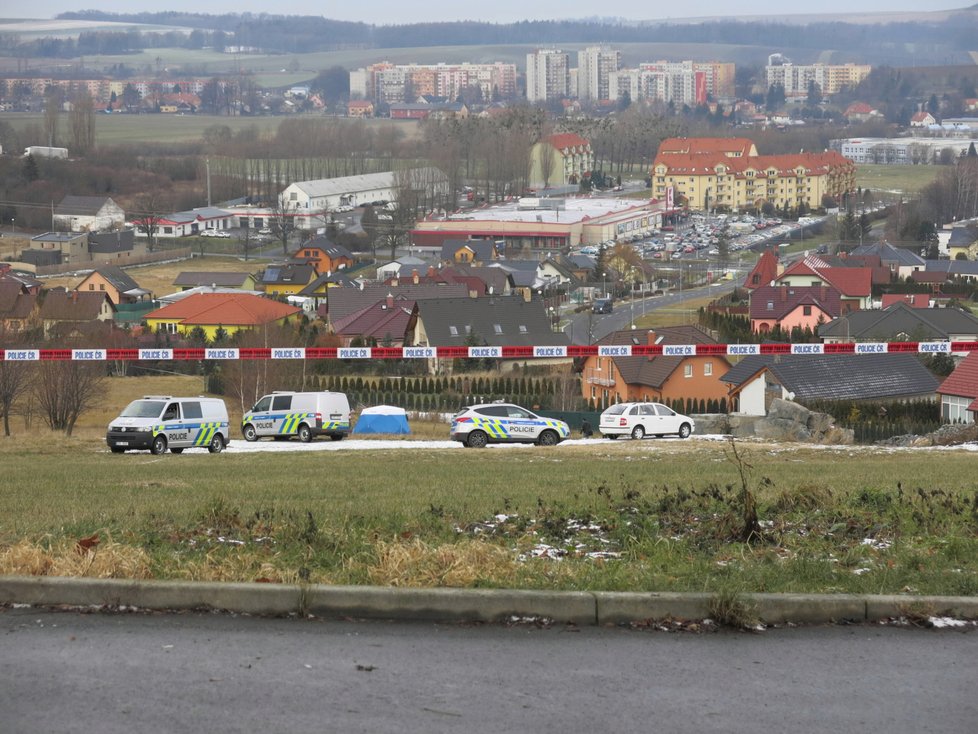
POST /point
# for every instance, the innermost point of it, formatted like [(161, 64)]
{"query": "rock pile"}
[(785, 421)]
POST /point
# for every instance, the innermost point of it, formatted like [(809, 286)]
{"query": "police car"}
[(479, 425)]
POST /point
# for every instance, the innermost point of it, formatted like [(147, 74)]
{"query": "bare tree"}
[(53, 100), (65, 390), (151, 210), (281, 220), (15, 381), (82, 122)]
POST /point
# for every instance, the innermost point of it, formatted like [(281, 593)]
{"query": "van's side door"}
[(173, 426), (286, 423)]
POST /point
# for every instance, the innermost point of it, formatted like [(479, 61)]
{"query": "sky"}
[(384, 12)]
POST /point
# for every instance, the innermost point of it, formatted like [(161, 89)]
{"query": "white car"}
[(222, 233), (265, 230), (644, 419), (479, 425)]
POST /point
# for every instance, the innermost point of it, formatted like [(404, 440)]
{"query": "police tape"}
[(496, 352)]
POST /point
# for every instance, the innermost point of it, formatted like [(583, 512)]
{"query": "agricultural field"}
[(588, 514)]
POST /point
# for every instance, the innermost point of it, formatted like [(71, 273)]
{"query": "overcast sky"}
[(503, 11)]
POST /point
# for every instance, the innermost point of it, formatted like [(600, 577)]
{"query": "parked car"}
[(479, 425), (265, 230), (639, 420)]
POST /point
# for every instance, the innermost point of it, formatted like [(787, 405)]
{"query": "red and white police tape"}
[(515, 352)]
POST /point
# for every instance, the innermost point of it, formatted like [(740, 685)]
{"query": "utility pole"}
[(207, 165)]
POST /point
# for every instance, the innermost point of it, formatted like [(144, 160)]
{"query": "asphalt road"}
[(214, 673)]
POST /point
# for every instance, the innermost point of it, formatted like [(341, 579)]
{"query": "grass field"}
[(650, 515), (896, 179), (132, 129)]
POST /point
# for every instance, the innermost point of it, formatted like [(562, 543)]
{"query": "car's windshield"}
[(143, 409)]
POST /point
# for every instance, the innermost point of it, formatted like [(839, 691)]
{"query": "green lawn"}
[(896, 179)]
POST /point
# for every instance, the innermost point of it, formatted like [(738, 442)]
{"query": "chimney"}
[(651, 337), (390, 300)]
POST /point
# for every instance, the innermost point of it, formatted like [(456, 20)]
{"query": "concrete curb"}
[(466, 605)]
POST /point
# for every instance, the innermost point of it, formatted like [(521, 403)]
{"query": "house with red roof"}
[(959, 392), (922, 119), (230, 312), (360, 108), (854, 284), (860, 112), (790, 306), (385, 323), (914, 300), (561, 159), (765, 271)]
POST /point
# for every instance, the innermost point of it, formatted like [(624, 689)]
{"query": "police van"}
[(304, 414), (479, 425), (161, 422)]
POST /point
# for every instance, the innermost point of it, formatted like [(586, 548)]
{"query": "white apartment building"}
[(547, 75), (398, 83), (830, 79), (679, 82), (594, 65)]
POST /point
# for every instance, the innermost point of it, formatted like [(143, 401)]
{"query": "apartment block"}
[(389, 83), (594, 66), (830, 79), (547, 75), (680, 82)]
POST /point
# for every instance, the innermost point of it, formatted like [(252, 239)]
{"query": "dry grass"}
[(63, 557), (467, 563)]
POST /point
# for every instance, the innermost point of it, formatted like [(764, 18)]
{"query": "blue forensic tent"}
[(382, 419)]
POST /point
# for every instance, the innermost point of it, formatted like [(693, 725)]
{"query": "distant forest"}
[(916, 42)]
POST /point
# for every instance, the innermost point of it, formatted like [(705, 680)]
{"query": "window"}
[(707, 369), (688, 371), (101, 286), (91, 286), (453, 330), (294, 196), (192, 410), (497, 328), (523, 328), (281, 402), (262, 405), (806, 310)]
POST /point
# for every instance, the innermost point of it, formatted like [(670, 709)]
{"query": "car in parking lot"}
[(265, 230), (639, 420), (479, 425)]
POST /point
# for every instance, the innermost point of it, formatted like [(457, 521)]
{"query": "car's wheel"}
[(638, 433), (249, 432), (477, 440), (336, 437), (216, 445), (117, 450), (684, 430), (176, 451), (159, 445), (305, 433), (611, 436), (548, 438)]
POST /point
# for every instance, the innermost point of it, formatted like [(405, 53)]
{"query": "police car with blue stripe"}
[(479, 425)]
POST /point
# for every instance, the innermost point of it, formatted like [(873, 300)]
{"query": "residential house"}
[(287, 279), (757, 380), (402, 267), (324, 255), (386, 323), (318, 289), (88, 214), (609, 380), (24, 280), (426, 111), (561, 159), (854, 284), (954, 269), (18, 308), (900, 261), (468, 252), (914, 300), (765, 271), (63, 312), (494, 321), (114, 247), (922, 119), (901, 323), (793, 306), (861, 112), (216, 279), (343, 301), (71, 247), (228, 312), (963, 243), (116, 283), (360, 108), (959, 392)]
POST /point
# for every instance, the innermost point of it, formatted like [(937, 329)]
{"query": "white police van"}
[(285, 414), (479, 425), (161, 422)]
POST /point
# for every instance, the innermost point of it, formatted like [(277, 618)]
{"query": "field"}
[(650, 515), (896, 179), (117, 129)]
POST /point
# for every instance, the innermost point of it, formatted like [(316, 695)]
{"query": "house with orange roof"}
[(959, 392), (609, 380), (712, 172), (324, 255), (860, 112), (230, 312), (854, 284), (790, 307), (922, 119), (561, 159)]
